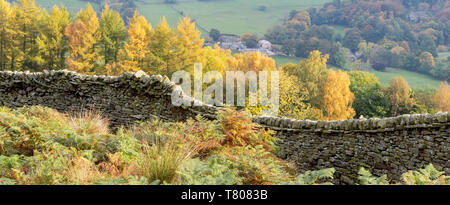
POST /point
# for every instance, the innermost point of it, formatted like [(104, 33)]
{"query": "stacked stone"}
[(355, 125), (123, 99), (384, 146)]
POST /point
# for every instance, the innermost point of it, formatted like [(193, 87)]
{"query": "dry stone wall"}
[(385, 146), (123, 99)]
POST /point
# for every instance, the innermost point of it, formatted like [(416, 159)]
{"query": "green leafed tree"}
[(113, 34), (369, 97)]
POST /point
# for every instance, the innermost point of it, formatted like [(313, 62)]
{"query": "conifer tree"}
[(134, 53), (27, 20), (164, 49), (84, 35), (113, 33), (14, 55), (51, 41), (191, 43), (5, 23)]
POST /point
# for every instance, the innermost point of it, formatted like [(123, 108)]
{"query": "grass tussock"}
[(159, 161), (89, 122)]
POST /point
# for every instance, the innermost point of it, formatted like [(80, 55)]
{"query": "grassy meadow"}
[(415, 80), (229, 16), (72, 5)]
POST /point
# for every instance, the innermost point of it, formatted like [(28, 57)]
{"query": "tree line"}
[(381, 34), (33, 39)]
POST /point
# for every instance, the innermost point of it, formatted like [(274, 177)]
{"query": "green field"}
[(443, 55), (229, 16), (340, 29), (415, 80), (281, 60), (72, 5)]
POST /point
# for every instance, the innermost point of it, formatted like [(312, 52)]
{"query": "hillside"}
[(256, 16), (229, 16)]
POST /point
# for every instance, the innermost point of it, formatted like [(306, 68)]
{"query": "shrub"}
[(214, 171), (257, 166), (239, 130), (312, 177), (427, 176), (366, 178)]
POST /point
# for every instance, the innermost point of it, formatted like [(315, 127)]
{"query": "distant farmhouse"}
[(417, 16), (231, 41), (234, 42)]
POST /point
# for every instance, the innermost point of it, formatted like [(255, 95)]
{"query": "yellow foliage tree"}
[(337, 98), (441, 98), (28, 19), (51, 40), (191, 44), (216, 59), (135, 52), (5, 32), (292, 98), (312, 72), (252, 61), (399, 96), (83, 35), (164, 49)]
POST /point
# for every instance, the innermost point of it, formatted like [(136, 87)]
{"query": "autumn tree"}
[(136, 51), (84, 35), (113, 33), (27, 20), (337, 98), (190, 44), (13, 53), (399, 96), (51, 41), (294, 98), (164, 49), (252, 61), (426, 61), (5, 30), (441, 98), (216, 59), (311, 74)]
